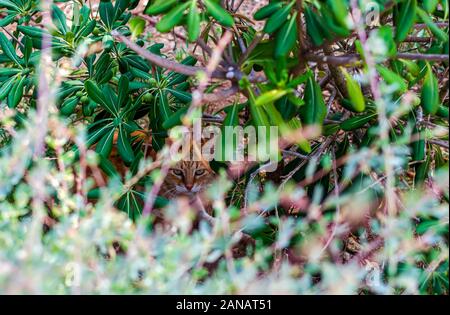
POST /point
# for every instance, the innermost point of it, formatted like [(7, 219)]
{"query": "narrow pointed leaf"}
[(286, 37), (430, 92), (405, 19), (220, 14), (193, 22), (277, 19), (354, 92), (8, 49), (124, 146), (172, 18)]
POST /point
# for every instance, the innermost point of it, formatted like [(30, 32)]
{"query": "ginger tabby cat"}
[(187, 178)]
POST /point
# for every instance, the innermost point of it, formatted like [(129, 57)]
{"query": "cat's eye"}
[(177, 172), (199, 172)]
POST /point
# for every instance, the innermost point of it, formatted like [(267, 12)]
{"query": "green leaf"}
[(120, 6), (356, 122), (107, 167), (124, 146), (111, 98), (278, 18), (8, 49), (93, 136), (7, 72), (392, 78), (259, 117), (442, 112), (123, 87), (28, 44), (313, 28), (443, 36), (9, 4), (69, 105), (385, 33), (405, 18), (31, 31), (340, 11), (171, 19), (106, 11), (164, 108), (6, 87), (7, 20), (286, 37), (295, 124), (220, 14), (59, 19), (180, 95), (418, 146), (421, 171), (175, 119), (159, 6), (104, 146), (354, 92), (274, 115), (430, 92), (314, 110), (16, 93), (97, 96), (330, 24), (267, 10), (137, 26), (270, 97), (430, 5), (232, 118), (193, 22)]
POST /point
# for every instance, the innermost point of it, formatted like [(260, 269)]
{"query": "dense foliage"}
[(90, 92)]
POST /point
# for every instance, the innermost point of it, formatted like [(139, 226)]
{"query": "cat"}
[(187, 178)]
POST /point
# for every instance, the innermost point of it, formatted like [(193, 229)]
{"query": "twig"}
[(220, 95), (354, 59), (216, 56), (338, 207), (162, 62), (416, 39), (296, 154), (238, 6), (13, 37), (440, 143), (420, 26), (151, 196), (200, 42), (429, 57), (250, 48)]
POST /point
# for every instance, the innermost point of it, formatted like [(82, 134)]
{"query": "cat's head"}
[(187, 178)]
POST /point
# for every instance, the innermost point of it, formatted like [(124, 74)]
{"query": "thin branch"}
[(238, 6), (250, 48), (162, 62), (420, 26), (429, 57), (296, 154), (417, 39), (354, 59), (13, 37), (220, 95), (338, 207), (200, 42), (440, 143)]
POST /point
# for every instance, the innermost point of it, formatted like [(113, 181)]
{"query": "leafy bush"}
[(89, 96)]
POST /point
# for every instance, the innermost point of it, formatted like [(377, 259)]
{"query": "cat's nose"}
[(189, 187)]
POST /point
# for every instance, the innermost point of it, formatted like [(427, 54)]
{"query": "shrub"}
[(91, 97)]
